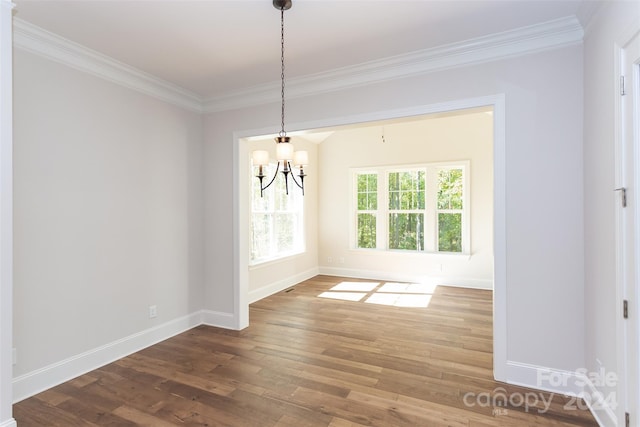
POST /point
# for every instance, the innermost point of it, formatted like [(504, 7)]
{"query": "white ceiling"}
[(213, 47)]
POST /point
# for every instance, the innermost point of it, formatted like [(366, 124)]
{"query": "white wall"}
[(601, 302), (108, 208), (6, 213), (441, 139), (544, 224), (270, 277)]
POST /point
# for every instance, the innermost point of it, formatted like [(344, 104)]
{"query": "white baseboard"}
[(568, 383), (399, 277), (601, 409), (546, 379), (42, 379), (9, 423), (219, 319), (272, 288), (57, 373)]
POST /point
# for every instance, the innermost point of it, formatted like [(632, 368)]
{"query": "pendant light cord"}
[(282, 131)]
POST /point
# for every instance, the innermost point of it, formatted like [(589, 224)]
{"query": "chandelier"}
[(285, 153)]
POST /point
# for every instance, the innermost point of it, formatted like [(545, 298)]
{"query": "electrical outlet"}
[(329, 259), (153, 311), (341, 260)]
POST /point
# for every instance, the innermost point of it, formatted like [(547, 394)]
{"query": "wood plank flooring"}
[(313, 361)]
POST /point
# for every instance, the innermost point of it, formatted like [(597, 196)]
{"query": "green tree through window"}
[(367, 206), (406, 210), (450, 185), (412, 209)]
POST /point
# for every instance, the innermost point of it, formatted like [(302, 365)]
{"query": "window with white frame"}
[(277, 227), (367, 209), (420, 208), (449, 208)]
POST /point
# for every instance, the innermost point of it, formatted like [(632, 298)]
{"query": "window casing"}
[(277, 221), (417, 208)]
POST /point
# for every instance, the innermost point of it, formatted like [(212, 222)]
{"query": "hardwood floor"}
[(314, 361)]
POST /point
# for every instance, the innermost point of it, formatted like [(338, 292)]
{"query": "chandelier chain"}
[(282, 131), (284, 149)]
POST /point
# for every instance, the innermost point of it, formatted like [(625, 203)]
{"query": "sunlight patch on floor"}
[(416, 295), (346, 296), (356, 286), (410, 288), (400, 300)]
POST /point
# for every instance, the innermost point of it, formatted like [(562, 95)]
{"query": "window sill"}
[(440, 256), (274, 261)]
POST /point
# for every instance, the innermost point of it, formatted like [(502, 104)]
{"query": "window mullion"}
[(382, 220), (353, 230), (430, 213), (466, 220)]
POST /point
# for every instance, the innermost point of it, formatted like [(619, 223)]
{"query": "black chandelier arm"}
[(301, 176), (261, 177), (286, 173)]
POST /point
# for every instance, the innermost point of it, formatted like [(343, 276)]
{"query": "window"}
[(367, 209), (418, 208), (406, 209), (276, 220), (449, 209)]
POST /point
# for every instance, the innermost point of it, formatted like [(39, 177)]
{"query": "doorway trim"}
[(627, 174), (6, 214), (240, 204)]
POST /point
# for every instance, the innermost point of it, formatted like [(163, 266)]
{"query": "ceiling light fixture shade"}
[(260, 158), (285, 153), (284, 149), (300, 158)]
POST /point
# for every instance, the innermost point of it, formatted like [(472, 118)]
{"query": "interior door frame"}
[(627, 171), (6, 213)]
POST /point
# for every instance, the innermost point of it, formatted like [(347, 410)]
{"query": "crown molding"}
[(36, 40), (522, 41)]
